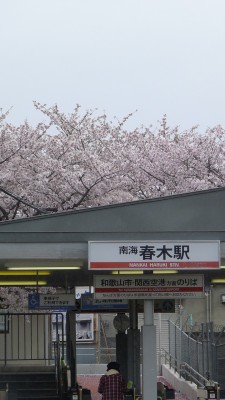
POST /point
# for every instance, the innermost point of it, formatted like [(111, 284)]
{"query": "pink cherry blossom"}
[(83, 160)]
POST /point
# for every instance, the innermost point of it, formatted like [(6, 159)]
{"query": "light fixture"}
[(130, 272), (40, 268), (165, 271), (24, 273), (23, 283), (44, 264), (218, 280)]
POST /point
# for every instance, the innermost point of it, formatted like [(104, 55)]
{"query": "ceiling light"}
[(131, 272), (24, 273), (40, 268), (30, 263), (165, 271), (218, 280), (23, 283)]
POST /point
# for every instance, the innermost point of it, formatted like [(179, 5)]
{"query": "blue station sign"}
[(88, 303)]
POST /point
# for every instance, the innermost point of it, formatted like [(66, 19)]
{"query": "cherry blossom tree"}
[(77, 165), (15, 299), (83, 160), (168, 161)]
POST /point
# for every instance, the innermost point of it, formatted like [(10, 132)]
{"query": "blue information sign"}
[(33, 301), (88, 303), (62, 301)]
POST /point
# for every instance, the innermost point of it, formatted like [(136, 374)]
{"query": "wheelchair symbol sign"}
[(33, 300)]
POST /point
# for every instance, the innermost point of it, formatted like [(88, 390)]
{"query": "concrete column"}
[(149, 361), (133, 353)]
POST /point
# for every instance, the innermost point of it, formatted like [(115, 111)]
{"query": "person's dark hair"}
[(113, 365)]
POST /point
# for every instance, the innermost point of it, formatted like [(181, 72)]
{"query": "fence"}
[(201, 347), (29, 337)]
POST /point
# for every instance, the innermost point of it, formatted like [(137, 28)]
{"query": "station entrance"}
[(58, 244)]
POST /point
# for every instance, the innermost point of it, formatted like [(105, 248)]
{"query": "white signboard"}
[(147, 255), (57, 301), (148, 286)]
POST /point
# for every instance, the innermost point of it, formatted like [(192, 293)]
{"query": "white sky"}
[(157, 57)]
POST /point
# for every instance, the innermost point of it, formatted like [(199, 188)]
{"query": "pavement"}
[(91, 382)]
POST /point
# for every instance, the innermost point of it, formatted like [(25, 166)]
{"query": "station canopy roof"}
[(61, 239)]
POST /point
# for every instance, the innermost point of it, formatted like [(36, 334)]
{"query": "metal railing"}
[(190, 374), (60, 370), (167, 358), (185, 371), (29, 337), (33, 339)]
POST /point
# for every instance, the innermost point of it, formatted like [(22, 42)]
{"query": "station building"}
[(58, 243)]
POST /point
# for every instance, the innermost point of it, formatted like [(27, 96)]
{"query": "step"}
[(27, 368), (33, 383), (27, 385), (41, 392), (32, 396), (46, 377), (38, 398)]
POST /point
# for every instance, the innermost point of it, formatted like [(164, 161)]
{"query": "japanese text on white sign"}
[(144, 287), (152, 255)]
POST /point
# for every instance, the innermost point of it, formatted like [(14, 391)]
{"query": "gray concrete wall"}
[(91, 369), (179, 384), (209, 308)]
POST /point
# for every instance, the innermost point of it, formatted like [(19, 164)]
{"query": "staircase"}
[(33, 383)]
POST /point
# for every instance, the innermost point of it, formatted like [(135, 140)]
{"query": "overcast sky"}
[(154, 56)]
